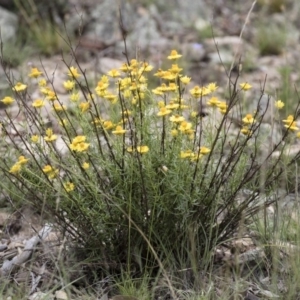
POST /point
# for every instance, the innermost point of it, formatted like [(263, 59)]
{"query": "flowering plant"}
[(126, 169)]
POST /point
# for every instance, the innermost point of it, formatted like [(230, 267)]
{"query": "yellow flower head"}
[(7, 100), (185, 79), (19, 87), (289, 119), (279, 104), (38, 103), (69, 85), (113, 73), (42, 82), (51, 95), (204, 150), (15, 169), (175, 69), (50, 137), (78, 139), (35, 138), (246, 131), (292, 126), (245, 86), (248, 119), (119, 130), (35, 73), (22, 160), (74, 97), (163, 111), (69, 186), (176, 119), (145, 67), (212, 87), (59, 107), (51, 172), (47, 169), (142, 149), (187, 154), (223, 107), (84, 106), (174, 55), (73, 72), (199, 91), (185, 127), (85, 165), (213, 101)]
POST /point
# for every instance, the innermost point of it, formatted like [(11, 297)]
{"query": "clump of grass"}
[(141, 180), (40, 26), (270, 40)]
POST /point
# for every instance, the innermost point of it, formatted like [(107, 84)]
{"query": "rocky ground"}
[(214, 37)]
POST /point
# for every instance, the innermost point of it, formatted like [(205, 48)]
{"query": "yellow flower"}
[(172, 105), (279, 104), (85, 165), (175, 69), (213, 101), (35, 138), (19, 87), (78, 139), (63, 122), (204, 150), (73, 72), (113, 73), (248, 119), (51, 95), (22, 160), (15, 169), (119, 130), (185, 79), (69, 186), (35, 73), (142, 149), (245, 86), (81, 147), (223, 107), (51, 172), (47, 169), (125, 68), (69, 85), (50, 137), (7, 100), (78, 144), (84, 106), (174, 132), (146, 67), (289, 119), (198, 91), (187, 154), (174, 55), (74, 97), (185, 127), (107, 125), (130, 149), (176, 119), (42, 82), (38, 103), (58, 107), (164, 111), (212, 87), (292, 126), (245, 130), (110, 97)]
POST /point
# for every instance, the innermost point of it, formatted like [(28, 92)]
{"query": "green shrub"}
[(141, 179)]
